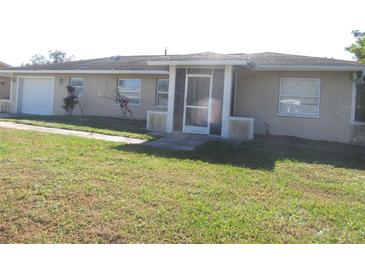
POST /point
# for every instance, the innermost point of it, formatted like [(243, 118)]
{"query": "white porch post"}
[(227, 96), (171, 99)]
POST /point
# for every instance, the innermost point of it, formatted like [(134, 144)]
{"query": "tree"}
[(58, 56), (71, 100), (38, 59), (358, 48), (119, 99), (54, 56)]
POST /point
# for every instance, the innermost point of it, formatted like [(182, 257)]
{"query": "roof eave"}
[(73, 71), (308, 68), (198, 63)]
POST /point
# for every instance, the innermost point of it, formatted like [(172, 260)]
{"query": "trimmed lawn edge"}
[(44, 122)]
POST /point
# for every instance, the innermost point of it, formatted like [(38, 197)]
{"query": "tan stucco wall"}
[(257, 96), (5, 87), (94, 105)]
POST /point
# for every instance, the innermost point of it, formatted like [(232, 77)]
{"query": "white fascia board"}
[(197, 63), (307, 68), (6, 74), (86, 71)]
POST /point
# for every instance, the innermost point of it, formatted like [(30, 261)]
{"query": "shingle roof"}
[(107, 63), (5, 65), (150, 63), (273, 58), (266, 60)]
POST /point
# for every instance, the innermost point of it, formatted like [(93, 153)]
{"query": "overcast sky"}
[(92, 29)]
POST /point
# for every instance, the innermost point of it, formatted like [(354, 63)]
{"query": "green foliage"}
[(38, 59), (55, 57), (58, 56), (71, 100), (358, 48)]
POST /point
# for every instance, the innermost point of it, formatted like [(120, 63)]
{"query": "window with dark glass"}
[(360, 102)]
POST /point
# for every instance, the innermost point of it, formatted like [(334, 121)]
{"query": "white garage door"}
[(37, 96)]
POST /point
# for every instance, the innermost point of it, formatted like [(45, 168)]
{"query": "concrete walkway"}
[(181, 141), (77, 133), (173, 141)]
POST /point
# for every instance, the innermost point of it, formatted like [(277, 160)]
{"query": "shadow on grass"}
[(102, 123), (264, 152)]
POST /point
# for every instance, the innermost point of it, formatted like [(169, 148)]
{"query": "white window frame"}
[(161, 92), (132, 91), (300, 115), (83, 86)]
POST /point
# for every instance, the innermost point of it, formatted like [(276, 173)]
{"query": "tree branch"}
[(104, 96)]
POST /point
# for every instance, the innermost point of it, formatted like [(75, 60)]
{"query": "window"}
[(299, 97), (130, 88), (162, 92), (78, 84), (360, 103)]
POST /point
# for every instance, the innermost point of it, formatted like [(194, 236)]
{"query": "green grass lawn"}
[(103, 125), (61, 189)]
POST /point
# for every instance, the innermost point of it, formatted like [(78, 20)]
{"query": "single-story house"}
[(228, 95), (4, 83)]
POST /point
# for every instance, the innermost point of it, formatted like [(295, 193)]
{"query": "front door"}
[(197, 103)]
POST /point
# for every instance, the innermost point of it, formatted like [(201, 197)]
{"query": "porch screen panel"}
[(216, 102), (179, 98)]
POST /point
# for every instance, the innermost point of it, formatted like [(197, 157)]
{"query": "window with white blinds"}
[(78, 84), (131, 89), (300, 97)]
